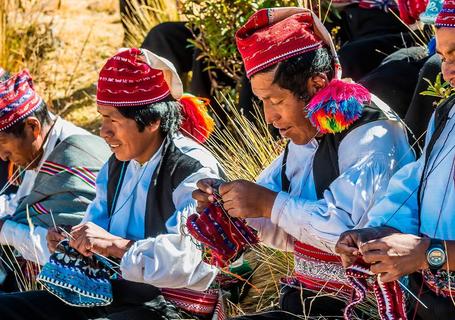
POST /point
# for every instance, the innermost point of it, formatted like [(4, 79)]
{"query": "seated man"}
[(325, 180), (143, 196), (413, 224), (58, 163)]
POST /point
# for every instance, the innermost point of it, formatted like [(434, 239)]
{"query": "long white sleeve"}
[(368, 157), (320, 223), (32, 245), (167, 261), (172, 260)]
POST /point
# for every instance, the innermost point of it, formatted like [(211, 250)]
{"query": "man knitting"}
[(412, 228), (334, 166), (143, 196), (58, 163)]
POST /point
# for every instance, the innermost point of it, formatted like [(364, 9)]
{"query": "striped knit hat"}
[(446, 17), (276, 34), (137, 77), (17, 99)]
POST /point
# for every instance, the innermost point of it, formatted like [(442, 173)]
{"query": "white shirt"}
[(18, 235), (399, 208), (169, 260), (367, 158)]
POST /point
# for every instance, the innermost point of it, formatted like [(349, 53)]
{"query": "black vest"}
[(173, 168), (325, 162)]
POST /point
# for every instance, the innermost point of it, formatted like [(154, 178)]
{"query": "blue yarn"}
[(431, 46)]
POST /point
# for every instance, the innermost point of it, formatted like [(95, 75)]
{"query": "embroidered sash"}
[(319, 270)]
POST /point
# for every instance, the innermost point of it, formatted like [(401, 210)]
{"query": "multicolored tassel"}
[(334, 108), (197, 123)]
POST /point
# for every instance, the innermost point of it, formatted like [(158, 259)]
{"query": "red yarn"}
[(197, 123), (410, 10)]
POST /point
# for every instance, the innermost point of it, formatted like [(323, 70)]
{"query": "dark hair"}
[(41, 113), (293, 73), (168, 111)]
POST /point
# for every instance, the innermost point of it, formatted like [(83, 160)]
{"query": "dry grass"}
[(142, 15), (64, 44)]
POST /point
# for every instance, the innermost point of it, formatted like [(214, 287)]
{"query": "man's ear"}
[(317, 82), (34, 126), (154, 126)]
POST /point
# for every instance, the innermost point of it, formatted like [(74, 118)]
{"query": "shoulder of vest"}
[(178, 165)]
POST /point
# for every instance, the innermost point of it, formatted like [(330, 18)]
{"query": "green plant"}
[(438, 89), (215, 23)]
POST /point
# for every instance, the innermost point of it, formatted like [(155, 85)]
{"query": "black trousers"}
[(295, 303), (439, 308), (132, 301)]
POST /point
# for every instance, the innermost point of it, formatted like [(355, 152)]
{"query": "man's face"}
[(23, 149), (445, 47), (123, 136), (282, 109)]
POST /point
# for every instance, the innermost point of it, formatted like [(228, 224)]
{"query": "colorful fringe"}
[(337, 106), (225, 238), (82, 173), (197, 123), (390, 298)]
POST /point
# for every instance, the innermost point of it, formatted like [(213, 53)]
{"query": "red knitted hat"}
[(137, 77), (276, 34), (446, 17), (17, 99)]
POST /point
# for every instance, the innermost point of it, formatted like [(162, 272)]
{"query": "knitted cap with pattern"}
[(446, 17), (18, 99), (277, 34), (137, 77)]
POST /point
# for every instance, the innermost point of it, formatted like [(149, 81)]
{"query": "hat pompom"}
[(197, 123), (334, 108)]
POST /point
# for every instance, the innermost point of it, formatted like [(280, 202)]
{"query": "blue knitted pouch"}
[(77, 280)]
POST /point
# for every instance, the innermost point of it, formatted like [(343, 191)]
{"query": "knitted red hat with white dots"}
[(137, 77)]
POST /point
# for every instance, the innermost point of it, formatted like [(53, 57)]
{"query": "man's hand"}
[(204, 194), (350, 241), (89, 238), (53, 238), (246, 199), (396, 255)]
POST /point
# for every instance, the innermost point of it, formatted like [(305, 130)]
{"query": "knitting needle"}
[(412, 294), (100, 255)]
